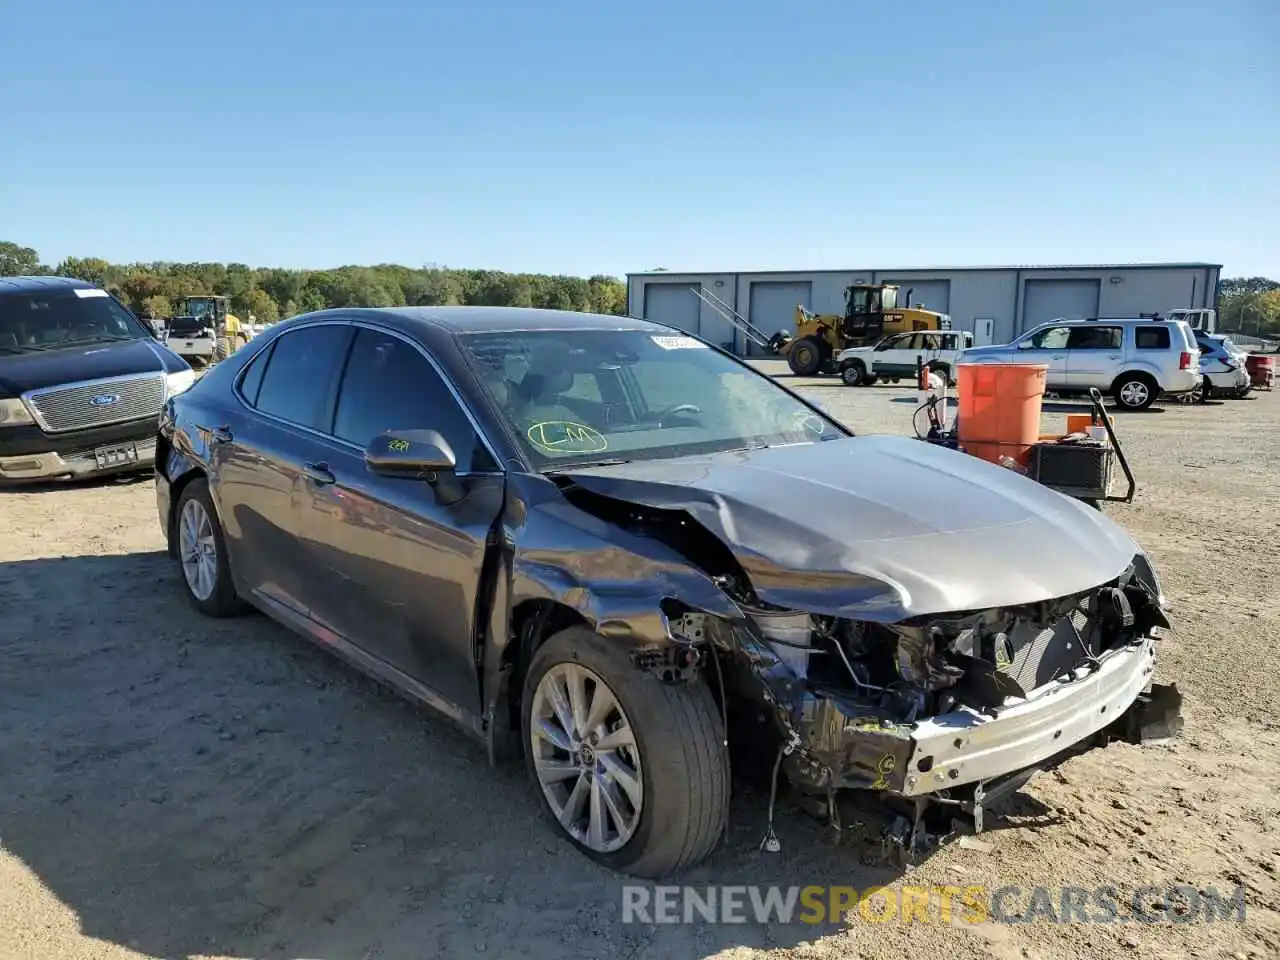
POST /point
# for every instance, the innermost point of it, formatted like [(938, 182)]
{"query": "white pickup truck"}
[(192, 338), (895, 358)]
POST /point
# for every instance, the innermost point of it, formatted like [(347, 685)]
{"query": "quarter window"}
[(300, 372), (1151, 338), (251, 381), (390, 385)]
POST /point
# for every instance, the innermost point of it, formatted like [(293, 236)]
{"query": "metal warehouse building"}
[(996, 303)]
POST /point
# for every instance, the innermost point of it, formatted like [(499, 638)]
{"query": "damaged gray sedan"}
[(617, 551)]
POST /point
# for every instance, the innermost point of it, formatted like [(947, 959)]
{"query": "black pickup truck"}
[(82, 381)]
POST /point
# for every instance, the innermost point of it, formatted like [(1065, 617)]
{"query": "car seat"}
[(538, 397)]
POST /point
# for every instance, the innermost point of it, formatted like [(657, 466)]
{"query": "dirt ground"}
[(172, 787)]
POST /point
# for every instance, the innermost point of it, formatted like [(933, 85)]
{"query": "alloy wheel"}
[(1134, 393), (198, 550), (586, 757)]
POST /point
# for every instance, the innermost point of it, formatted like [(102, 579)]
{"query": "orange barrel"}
[(999, 409)]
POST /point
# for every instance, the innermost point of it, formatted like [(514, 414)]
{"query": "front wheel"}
[(202, 553), (1135, 391), (632, 769), (853, 373)]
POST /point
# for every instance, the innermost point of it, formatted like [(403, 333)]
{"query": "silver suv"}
[(1133, 360)]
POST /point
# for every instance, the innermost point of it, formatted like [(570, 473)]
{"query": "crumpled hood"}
[(881, 528)]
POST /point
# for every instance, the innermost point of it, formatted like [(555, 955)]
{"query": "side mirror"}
[(1024, 344), (410, 453)]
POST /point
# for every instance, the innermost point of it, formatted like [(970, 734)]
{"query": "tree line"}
[(1250, 305), (1246, 304), (268, 294)]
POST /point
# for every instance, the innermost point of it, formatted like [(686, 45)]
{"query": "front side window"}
[(300, 374), (1050, 338), (389, 385), (646, 397), (33, 322)]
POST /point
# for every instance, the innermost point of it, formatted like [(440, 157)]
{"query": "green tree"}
[(89, 269), (155, 307), (261, 306), (1250, 305), (16, 261)]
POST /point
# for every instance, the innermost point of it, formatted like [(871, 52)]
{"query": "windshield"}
[(62, 318), (593, 396)]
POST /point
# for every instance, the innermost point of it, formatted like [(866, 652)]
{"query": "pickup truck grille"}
[(98, 402)]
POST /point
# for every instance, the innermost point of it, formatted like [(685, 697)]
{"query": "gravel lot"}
[(174, 787)]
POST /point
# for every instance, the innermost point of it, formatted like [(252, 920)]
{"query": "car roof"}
[(1093, 320), (495, 319), (17, 285)]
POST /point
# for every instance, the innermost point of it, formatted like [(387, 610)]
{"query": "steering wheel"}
[(688, 409)]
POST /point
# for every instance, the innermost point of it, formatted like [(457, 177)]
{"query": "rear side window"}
[(1095, 338), (390, 385), (1151, 338), (300, 374)]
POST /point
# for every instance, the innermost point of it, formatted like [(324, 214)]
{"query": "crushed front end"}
[(945, 713)]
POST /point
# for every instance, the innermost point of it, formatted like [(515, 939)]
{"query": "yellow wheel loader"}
[(871, 314)]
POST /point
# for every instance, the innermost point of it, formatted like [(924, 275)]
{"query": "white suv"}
[(1133, 360), (895, 358)]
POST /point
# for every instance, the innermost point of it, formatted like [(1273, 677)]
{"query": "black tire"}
[(1206, 390), (853, 373), (680, 738), (223, 601), (1134, 391), (805, 357), (945, 373)]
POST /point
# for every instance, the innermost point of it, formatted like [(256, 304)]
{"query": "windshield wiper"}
[(578, 465), (95, 339)]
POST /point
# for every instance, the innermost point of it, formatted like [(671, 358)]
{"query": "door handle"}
[(216, 434), (319, 473)]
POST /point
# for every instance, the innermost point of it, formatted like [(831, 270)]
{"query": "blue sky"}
[(578, 137)]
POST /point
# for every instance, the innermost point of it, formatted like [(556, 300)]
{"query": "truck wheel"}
[(853, 373), (1135, 391), (805, 357), (632, 769)]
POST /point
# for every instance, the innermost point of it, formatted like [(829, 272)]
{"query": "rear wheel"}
[(1135, 391), (633, 770), (805, 357)]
